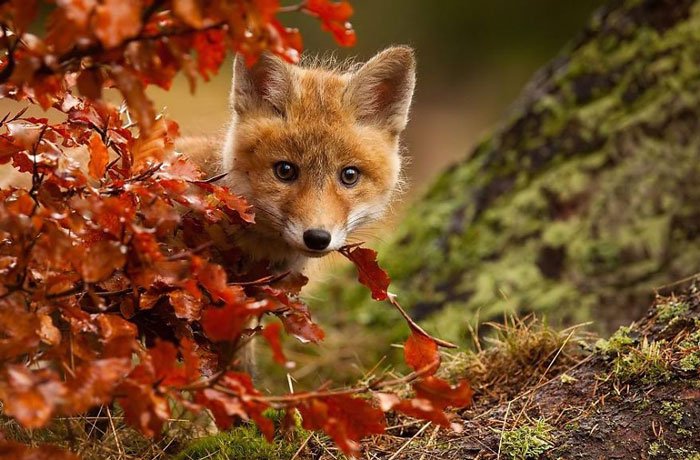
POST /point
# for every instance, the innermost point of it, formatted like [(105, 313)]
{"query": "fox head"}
[(316, 150)]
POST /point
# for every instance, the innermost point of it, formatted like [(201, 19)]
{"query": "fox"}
[(315, 149)]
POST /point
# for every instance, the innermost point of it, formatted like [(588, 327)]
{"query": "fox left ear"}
[(380, 92), (265, 85)]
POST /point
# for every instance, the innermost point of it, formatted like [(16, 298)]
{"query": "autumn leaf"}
[(271, 333), (134, 92), (369, 272), (295, 316), (93, 383), (344, 418), (224, 324), (99, 157), (442, 393), (334, 17), (90, 83), (116, 21), (421, 353), (101, 259), (30, 397), (144, 408), (186, 305)]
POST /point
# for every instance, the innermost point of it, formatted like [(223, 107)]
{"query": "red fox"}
[(314, 150)]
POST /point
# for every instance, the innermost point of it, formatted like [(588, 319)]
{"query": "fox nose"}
[(317, 239)]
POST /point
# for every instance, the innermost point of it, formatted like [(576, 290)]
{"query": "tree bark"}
[(585, 199)]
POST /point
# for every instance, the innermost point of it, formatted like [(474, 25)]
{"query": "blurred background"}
[(473, 59)]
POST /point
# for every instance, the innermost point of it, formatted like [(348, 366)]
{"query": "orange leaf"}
[(345, 419), (101, 259), (271, 333), (90, 83), (117, 20), (144, 408), (94, 383), (186, 305), (225, 324), (370, 274), (442, 394), (421, 352), (30, 397), (99, 157)]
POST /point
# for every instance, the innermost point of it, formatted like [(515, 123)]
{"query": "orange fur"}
[(320, 121)]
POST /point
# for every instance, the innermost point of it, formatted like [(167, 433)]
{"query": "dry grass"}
[(521, 352)]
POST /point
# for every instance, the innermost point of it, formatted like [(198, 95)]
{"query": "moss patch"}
[(245, 442), (528, 441)]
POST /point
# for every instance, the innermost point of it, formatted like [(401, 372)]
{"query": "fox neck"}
[(261, 244)]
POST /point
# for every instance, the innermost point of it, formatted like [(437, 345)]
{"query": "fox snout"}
[(317, 239), (314, 240)]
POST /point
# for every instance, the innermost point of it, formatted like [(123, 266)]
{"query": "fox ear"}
[(380, 92), (266, 85)]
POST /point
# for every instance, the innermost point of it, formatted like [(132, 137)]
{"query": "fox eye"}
[(349, 176), (286, 171)]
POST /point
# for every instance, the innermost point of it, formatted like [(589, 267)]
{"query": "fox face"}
[(316, 151)]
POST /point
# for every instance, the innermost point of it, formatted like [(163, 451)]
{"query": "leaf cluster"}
[(118, 279)]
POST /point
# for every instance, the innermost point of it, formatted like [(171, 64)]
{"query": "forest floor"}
[(542, 393), (539, 393)]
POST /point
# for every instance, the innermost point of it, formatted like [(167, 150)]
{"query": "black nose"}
[(317, 239)]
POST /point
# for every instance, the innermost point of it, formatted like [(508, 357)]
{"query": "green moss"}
[(655, 449), (691, 349), (617, 343), (673, 411), (245, 442), (528, 441), (647, 363), (671, 309)]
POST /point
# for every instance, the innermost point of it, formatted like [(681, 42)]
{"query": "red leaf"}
[(99, 157), (90, 82), (236, 403), (101, 259), (334, 17), (442, 394), (345, 419), (117, 20), (213, 278), (94, 383), (421, 352), (295, 317), (271, 333), (144, 408), (433, 395), (225, 324), (369, 272), (210, 46), (186, 305), (134, 91), (422, 409), (30, 397)]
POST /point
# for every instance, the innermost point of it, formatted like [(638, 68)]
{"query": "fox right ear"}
[(380, 92), (266, 85)]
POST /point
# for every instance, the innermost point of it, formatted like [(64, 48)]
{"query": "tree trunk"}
[(586, 198)]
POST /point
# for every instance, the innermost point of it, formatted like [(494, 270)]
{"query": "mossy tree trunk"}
[(582, 202)]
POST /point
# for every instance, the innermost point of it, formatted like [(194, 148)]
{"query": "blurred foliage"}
[(456, 38)]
